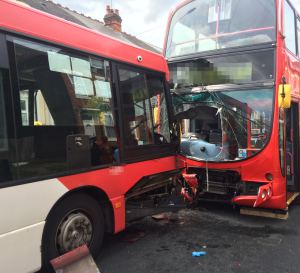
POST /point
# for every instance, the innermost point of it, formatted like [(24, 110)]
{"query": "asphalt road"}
[(234, 243)]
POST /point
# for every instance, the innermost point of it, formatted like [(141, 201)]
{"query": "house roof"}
[(83, 20)]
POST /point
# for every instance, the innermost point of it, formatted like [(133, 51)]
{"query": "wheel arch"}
[(102, 199)]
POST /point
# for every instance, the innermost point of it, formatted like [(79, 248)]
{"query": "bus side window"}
[(65, 100), (5, 153), (137, 116), (298, 35), (159, 109), (145, 114), (3, 133)]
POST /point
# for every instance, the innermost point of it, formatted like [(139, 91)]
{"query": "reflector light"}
[(118, 205), (269, 192)]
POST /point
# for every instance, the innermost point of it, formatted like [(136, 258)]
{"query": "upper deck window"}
[(289, 27), (298, 35), (204, 25)]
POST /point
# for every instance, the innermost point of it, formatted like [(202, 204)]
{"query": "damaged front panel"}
[(150, 183)]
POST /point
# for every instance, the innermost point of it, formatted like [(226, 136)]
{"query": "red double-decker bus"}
[(85, 126), (233, 65)]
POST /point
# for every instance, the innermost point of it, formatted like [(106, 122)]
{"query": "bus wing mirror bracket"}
[(284, 96)]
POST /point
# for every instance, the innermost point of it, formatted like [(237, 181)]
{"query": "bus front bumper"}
[(264, 199)]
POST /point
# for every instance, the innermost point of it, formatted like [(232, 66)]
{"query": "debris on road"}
[(198, 253), (133, 236), (159, 217), (166, 217)]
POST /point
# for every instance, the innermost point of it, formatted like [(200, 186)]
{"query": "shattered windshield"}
[(224, 125), (204, 25)]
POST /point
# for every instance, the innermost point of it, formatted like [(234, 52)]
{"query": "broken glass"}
[(224, 125)]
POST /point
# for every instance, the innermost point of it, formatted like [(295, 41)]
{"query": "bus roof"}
[(25, 20)]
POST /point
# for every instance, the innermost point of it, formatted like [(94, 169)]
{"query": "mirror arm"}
[(283, 80)]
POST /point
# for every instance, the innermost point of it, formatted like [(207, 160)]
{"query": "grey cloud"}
[(81, 6)]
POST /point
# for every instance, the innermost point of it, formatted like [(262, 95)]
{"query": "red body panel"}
[(31, 22), (116, 181)]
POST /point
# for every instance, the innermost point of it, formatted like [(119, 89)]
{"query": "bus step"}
[(275, 214), (78, 260), (290, 197)]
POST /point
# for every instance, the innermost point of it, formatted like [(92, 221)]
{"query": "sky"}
[(145, 19)]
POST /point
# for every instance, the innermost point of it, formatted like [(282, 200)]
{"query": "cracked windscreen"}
[(226, 125)]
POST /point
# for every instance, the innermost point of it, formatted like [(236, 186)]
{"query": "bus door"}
[(292, 148)]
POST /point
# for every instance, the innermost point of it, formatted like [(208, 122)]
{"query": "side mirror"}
[(171, 85), (284, 96), (176, 131)]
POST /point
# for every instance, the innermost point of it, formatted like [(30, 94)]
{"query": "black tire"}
[(68, 208)]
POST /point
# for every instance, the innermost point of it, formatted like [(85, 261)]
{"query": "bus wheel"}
[(74, 221)]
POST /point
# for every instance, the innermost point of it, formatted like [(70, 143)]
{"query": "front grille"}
[(223, 182)]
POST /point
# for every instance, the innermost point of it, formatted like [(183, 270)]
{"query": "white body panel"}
[(20, 251), (28, 204), (23, 211)]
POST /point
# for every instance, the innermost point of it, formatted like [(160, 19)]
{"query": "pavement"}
[(233, 243)]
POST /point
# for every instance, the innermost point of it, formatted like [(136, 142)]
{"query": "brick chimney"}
[(112, 19)]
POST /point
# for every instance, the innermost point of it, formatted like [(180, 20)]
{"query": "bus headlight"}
[(264, 194)]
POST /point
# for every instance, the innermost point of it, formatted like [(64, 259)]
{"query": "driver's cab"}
[(202, 135)]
